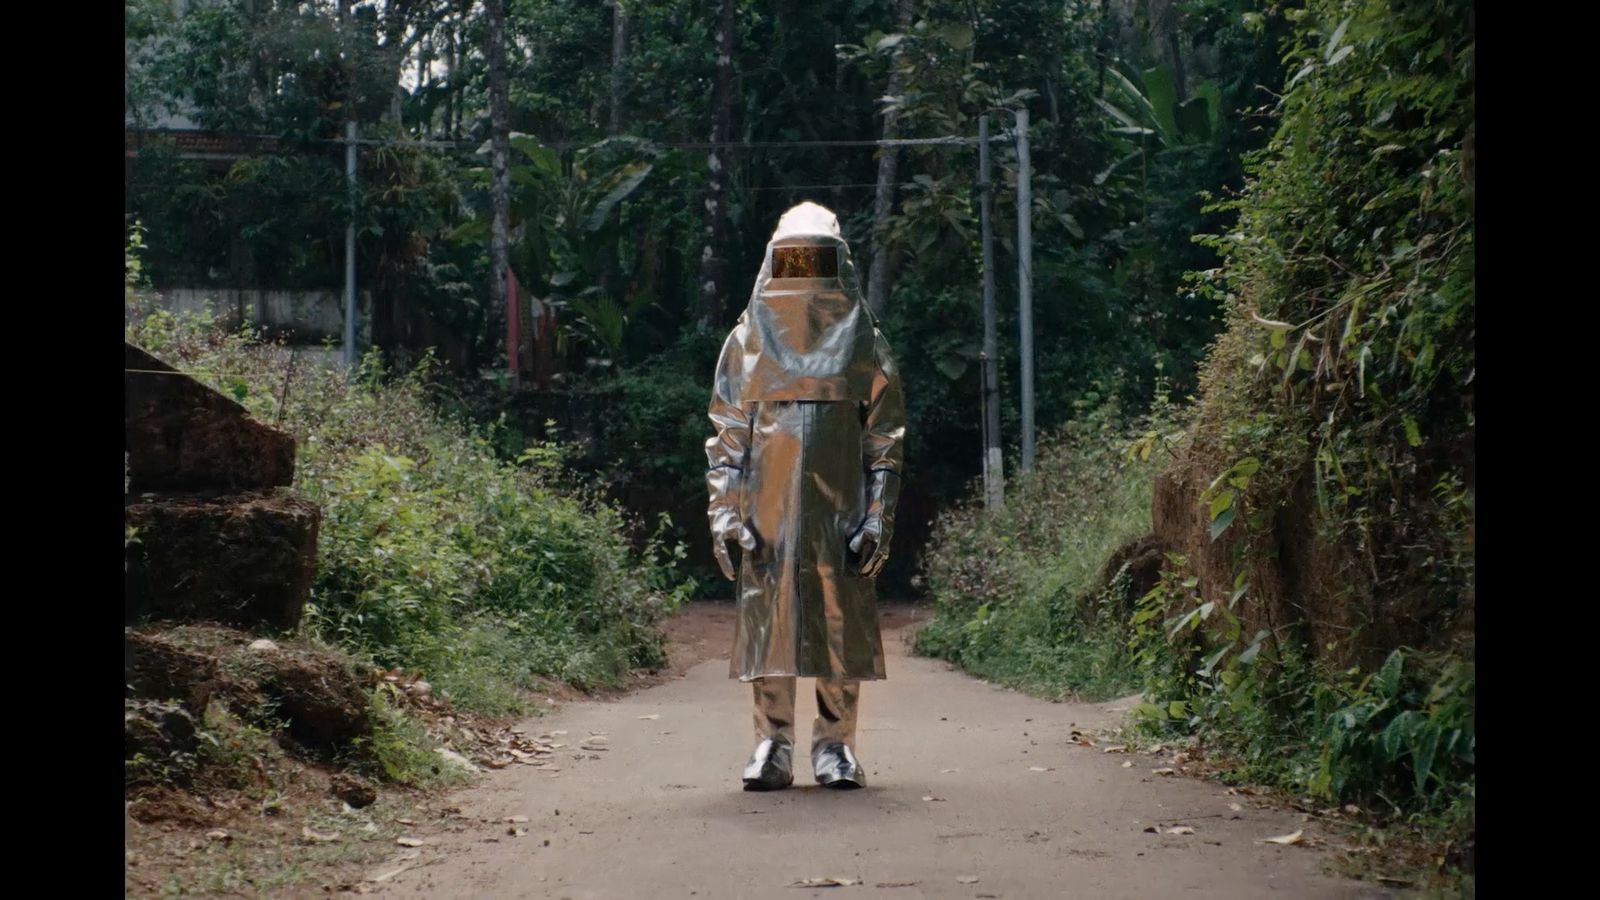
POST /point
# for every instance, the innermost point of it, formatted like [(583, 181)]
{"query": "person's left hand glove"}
[(871, 540)]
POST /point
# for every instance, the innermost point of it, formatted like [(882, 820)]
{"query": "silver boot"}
[(771, 767), (836, 767)]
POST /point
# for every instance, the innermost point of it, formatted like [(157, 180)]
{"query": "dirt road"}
[(974, 792)]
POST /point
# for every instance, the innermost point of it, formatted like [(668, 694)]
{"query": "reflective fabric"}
[(809, 444), (838, 700)]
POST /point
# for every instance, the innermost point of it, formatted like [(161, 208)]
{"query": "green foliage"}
[(1018, 592), (1348, 364), (399, 750), (434, 553)]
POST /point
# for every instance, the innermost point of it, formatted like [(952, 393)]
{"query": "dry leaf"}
[(514, 831), (1161, 771), (515, 820), (1235, 807), (1115, 748), (1128, 764), (410, 841), (1039, 769), (1295, 838), (895, 884), (933, 799), (825, 882), (219, 835), (967, 879), (942, 772), (1180, 829), (318, 837), (652, 716), (406, 821)]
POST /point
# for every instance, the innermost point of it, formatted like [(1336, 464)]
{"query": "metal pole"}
[(350, 248), (994, 485), (1025, 282)]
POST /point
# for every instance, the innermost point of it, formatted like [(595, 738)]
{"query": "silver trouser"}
[(837, 700)]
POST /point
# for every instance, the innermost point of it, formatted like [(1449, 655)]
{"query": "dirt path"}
[(660, 812)]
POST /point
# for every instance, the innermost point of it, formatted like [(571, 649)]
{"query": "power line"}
[(950, 140)]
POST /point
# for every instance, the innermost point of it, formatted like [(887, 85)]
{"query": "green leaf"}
[(1389, 675), (1338, 35), (1161, 87), (1221, 523), (1212, 660), (1150, 711), (1177, 709), (1222, 501), (1426, 747), (1413, 433), (631, 177)]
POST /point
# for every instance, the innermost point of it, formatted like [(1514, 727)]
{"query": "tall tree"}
[(619, 50), (500, 172), (713, 265), (888, 164)]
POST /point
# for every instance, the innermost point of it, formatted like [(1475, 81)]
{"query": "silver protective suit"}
[(804, 468)]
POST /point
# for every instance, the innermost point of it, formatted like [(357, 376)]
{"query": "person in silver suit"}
[(804, 472)]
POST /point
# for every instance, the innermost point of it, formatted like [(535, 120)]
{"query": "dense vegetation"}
[(1137, 107), (433, 554), (1312, 626), (1253, 280)]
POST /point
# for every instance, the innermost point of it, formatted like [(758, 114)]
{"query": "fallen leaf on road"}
[(1167, 771), (895, 884), (1115, 748), (1128, 764), (515, 820), (944, 772), (405, 861), (410, 841), (514, 831), (318, 837), (219, 835), (652, 716), (825, 882), (967, 879), (933, 799), (1180, 829), (1235, 807), (1285, 839)]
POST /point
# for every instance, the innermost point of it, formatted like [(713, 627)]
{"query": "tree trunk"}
[(713, 265), (619, 49), (500, 178), (888, 163)]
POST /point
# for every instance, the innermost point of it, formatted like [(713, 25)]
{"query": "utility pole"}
[(994, 486), (1025, 282)]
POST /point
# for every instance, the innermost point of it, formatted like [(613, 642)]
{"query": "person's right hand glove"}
[(726, 528)]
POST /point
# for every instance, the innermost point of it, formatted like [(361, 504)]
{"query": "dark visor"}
[(805, 262)]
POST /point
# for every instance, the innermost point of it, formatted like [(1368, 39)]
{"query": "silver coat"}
[(805, 466)]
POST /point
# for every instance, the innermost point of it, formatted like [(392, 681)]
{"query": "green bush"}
[(435, 555), (1016, 590)]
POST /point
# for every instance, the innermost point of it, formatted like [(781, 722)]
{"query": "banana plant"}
[(566, 232), (1149, 109)]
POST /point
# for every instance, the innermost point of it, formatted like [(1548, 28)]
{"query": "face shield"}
[(807, 333)]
